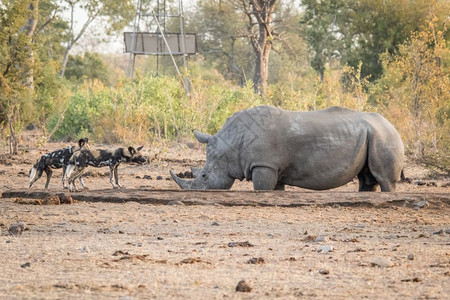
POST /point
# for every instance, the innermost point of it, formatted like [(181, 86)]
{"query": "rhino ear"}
[(202, 137)]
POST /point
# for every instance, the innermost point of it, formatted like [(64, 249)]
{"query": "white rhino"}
[(314, 150)]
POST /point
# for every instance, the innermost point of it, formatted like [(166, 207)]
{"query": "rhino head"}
[(215, 174)]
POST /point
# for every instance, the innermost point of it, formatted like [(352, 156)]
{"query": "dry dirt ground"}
[(151, 240)]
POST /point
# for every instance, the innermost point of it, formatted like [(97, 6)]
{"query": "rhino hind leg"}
[(264, 179), (367, 182)]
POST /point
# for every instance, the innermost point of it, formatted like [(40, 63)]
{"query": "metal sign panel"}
[(153, 43)]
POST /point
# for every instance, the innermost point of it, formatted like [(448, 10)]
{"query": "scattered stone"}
[(243, 287), (25, 265), (168, 178), (159, 178), (160, 238), (120, 252), (193, 260), (324, 271), (309, 238), (85, 249), (447, 231), (440, 232), (240, 244), (137, 177), (446, 184), (256, 260), (415, 279), (359, 249), (381, 262), (411, 256), (325, 248), (215, 224), (148, 177), (31, 127), (16, 229), (292, 259), (420, 204), (320, 238)]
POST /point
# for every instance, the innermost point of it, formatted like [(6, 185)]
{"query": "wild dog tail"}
[(33, 172), (69, 170)]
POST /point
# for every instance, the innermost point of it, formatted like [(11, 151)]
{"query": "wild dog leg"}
[(48, 172)]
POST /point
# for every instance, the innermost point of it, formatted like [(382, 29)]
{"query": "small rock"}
[(215, 224), (240, 244), (309, 238), (440, 232), (411, 256), (320, 238), (168, 178), (16, 229), (148, 177), (325, 248), (25, 265), (243, 287), (256, 260), (85, 249), (420, 204), (160, 238), (381, 262), (324, 272), (159, 178), (415, 279), (447, 231)]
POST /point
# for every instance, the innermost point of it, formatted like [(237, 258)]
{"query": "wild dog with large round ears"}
[(102, 158), (56, 160)]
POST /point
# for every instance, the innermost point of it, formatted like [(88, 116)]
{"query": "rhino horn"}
[(184, 184), (202, 137)]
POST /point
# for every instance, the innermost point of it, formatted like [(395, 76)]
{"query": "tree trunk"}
[(28, 79), (261, 75), (261, 11), (64, 62)]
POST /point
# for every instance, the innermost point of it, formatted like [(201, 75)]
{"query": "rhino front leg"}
[(264, 179)]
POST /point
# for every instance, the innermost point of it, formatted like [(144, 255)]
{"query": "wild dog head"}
[(83, 143), (134, 155)]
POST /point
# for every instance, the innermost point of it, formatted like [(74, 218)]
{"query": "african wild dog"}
[(101, 158), (55, 160)]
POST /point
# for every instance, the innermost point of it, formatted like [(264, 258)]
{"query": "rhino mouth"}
[(184, 184)]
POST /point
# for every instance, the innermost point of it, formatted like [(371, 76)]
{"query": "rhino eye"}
[(203, 175)]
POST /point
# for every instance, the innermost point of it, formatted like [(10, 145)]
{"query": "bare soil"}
[(151, 240)]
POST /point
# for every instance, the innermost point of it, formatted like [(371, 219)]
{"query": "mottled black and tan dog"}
[(101, 158), (56, 160)]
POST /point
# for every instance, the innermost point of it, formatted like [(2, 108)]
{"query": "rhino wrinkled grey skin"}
[(314, 150)]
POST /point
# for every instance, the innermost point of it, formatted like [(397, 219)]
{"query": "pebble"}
[(324, 272), (256, 260), (215, 223), (447, 231), (440, 232), (420, 204), (325, 248), (411, 256), (381, 262), (17, 228), (85, 249), (25, 265), (321, 238), (243, 287)]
